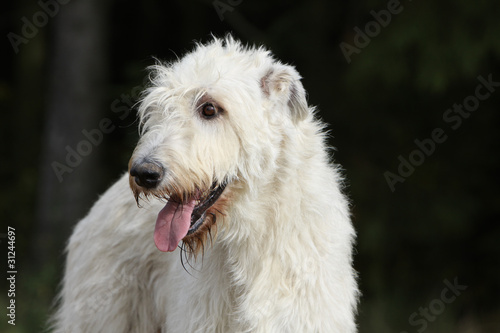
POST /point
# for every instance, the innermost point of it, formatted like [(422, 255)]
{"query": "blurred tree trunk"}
[(70, 160)]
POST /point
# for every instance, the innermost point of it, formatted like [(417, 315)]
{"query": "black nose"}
[(147, 174)]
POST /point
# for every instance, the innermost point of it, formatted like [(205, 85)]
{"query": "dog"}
[(232, 217)]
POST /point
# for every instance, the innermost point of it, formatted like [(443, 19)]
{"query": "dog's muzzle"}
[(184, 213)]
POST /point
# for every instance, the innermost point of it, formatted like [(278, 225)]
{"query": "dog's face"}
[(209, 121)]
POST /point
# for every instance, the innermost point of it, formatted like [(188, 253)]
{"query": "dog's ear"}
[(282, 82)]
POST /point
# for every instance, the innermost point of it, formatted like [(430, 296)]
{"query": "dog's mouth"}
[(200, 209), (183, 217)]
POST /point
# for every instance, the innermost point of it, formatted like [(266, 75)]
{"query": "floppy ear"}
[(282, 82)]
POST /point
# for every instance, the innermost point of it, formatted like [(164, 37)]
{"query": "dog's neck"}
[(249, 230)]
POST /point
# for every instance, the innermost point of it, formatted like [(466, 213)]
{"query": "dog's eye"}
[(209, 110)]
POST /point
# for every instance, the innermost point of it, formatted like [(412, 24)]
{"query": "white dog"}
[(233, 167)]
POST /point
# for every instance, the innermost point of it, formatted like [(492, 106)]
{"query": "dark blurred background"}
[(411, 91)]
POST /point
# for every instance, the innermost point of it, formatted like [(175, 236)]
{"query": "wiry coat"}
[(279, 254)]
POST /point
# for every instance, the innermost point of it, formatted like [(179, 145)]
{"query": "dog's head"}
[(211, 123)]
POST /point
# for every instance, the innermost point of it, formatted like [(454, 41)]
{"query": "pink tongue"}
[(172, 224)]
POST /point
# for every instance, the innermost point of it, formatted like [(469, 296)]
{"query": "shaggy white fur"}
[(273, 253)]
